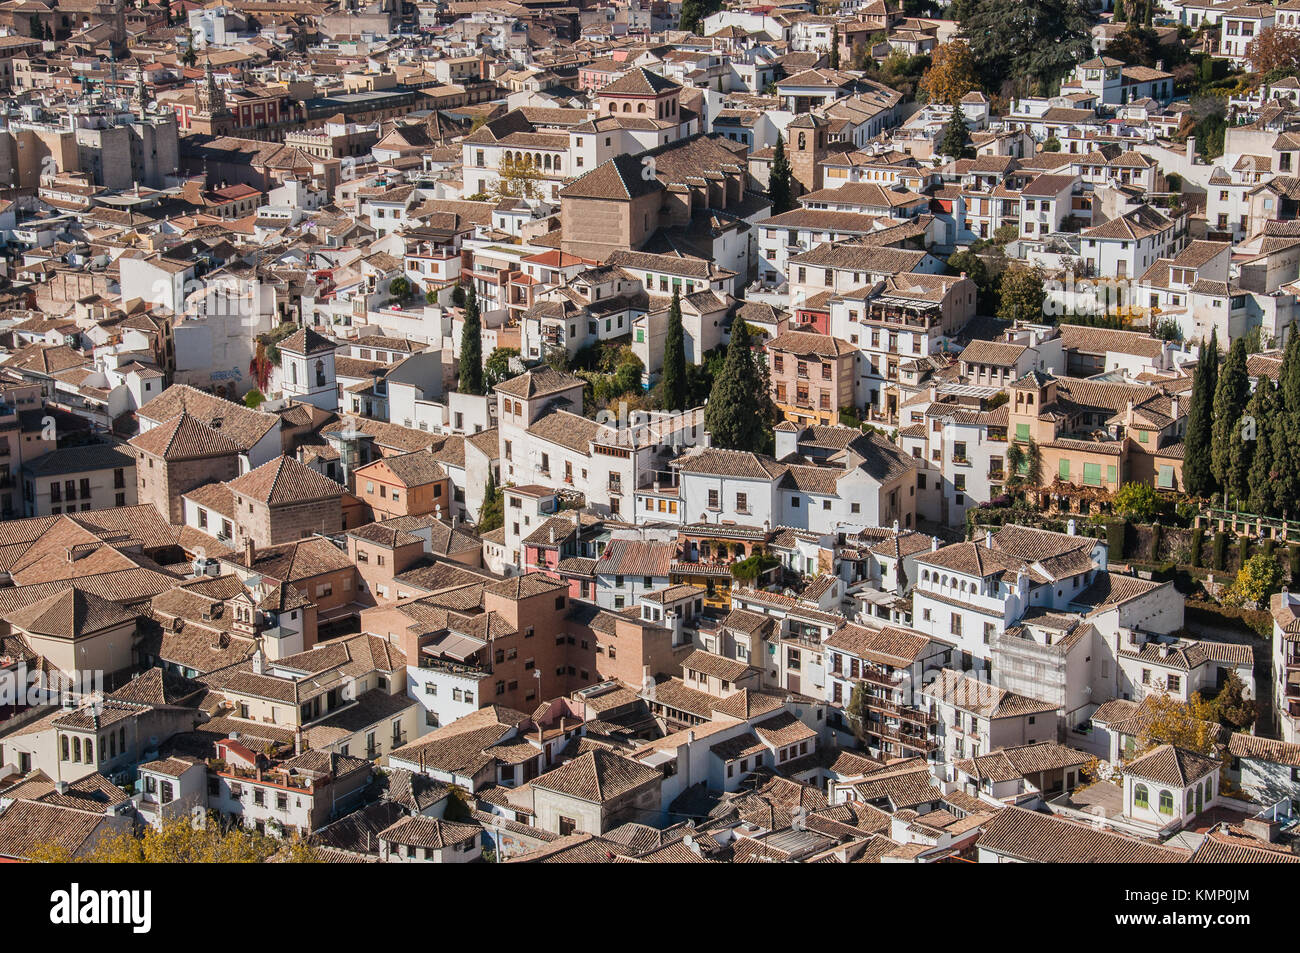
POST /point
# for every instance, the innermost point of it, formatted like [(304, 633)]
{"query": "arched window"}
[(63, 739), (803, 141), (627, 107), (293, 373), (1140, 796), (90, 751), (76, 749), (1166, 802), (1189, 799), (320, 373), (547, 163), (613, 107), (640, 107)]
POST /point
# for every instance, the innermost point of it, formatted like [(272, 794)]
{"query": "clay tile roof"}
[(69, 614), (284, 481), (597, 776), (307, 341), (1042, 838), (184, 438), (538, 383), (1171, 766), (429, 832)]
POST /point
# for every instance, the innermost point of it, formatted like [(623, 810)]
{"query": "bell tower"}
[(807, 141)]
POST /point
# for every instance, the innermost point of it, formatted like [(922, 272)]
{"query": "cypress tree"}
[(674, 376), (835, 47), (1289, 375), (779, 188), (1230, 398), (1284, 484), (1198, 472), (734, 416), (1260, 477), (1244, 443), (471, 347)]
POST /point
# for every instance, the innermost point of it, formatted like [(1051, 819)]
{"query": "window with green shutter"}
[(1142, 436), (1063, 470), (1092, 474), (1165, 479), (1022, 431), (1110, 474)]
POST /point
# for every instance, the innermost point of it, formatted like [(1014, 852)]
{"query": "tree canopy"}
[(1031, 44)]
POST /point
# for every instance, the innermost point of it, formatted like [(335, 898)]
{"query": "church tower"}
[(307, 369), (211, 114), (807, 141)]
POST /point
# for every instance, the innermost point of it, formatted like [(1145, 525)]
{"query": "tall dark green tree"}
[(735, 417), (692, 15), (780, 189), (673, 388), (1260, 476), (1245, 441), (1231, 395), (1032, 45), (835, 47), (1198, 465), (492, 514), (955, 134), (471, 347), (1284, 472)]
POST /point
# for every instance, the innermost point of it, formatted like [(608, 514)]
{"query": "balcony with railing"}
[(917, 740)]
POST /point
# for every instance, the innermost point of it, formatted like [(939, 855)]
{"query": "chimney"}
[(690, 736), (895, 527), (61, 787), (259, 665), (1173, 407), (988, 538), (1070, 527), (250, 551), (297, 740), (934, 544)]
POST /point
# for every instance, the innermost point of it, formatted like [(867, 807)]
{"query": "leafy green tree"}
[(735, 416), (1052, 145), (780, 188), (1231, 394), (1021, 295), (1188, 724), (471, 347), (955, 134), (692, 19), (858, 710), (1138, 501), (178, 841), (1031, 44), (492, 514), (1233, 708), (254, 398), (1259, 578), (976, 270), (673, 387), (1198, 467), (399, 288), (497, 367)]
